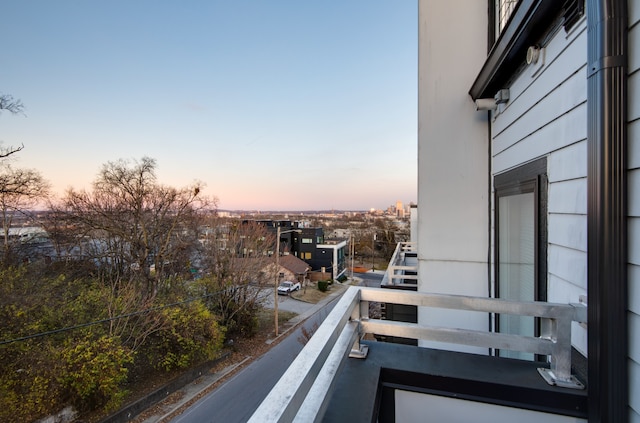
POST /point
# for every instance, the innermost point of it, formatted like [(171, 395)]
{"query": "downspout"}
[(607, 210)]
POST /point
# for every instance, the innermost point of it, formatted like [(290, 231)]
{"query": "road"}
[(370, 279), (237, 399)]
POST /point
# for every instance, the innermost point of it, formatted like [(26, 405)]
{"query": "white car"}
[(288, 287)]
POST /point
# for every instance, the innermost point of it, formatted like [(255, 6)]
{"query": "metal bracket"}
[(552, 379), (359, 353)]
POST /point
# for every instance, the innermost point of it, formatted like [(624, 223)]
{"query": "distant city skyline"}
[(273, 105)]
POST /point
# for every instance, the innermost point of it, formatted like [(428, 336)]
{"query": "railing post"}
[(558, 331), (360, 312)]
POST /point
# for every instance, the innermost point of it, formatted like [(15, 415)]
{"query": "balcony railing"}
[(303, 392), (403, 266)]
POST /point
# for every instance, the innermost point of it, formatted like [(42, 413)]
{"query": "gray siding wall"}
[(546, 116), (634, 210)]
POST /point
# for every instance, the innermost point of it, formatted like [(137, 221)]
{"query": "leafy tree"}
[(40, 375)]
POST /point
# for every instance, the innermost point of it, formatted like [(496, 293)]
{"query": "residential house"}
[(293, 269), (527, 231), (324, 255), (309, 244)]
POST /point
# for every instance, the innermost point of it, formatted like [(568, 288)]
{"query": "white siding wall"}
[(452, 160), (634, 211), (546, 116)]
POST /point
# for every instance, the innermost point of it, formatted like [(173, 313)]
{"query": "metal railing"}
[(403, 266), (303, 392)]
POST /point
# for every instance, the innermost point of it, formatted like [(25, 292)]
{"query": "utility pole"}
[(352, 250), (373, 251), (275, 288)]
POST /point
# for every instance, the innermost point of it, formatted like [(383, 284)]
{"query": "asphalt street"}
[(237, 399)]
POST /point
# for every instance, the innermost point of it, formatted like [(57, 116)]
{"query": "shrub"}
[(93, 371), (323, 286), (190, 335)]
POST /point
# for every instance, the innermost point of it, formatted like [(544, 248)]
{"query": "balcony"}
[(402, 271), (340, 376)]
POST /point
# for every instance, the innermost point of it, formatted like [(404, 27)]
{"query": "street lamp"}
[(275, 289)]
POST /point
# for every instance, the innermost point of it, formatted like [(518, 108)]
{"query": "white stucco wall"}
[(452, 159)]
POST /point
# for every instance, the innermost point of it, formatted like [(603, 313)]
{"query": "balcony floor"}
[(364, 389)]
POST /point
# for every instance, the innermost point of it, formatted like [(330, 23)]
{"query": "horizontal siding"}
[(560, 101), (568, 265), (563, 58), (562, 292), (634, 390), (634, 240), (634, 187), (568, 231), (634, 95), (634, 210), (568, 197), (560, 133), (634, 343), (634, 144), (634, 288), (569, 162)]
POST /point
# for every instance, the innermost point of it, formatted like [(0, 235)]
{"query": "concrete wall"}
[(453, 160)]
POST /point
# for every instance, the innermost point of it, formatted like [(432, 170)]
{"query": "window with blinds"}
[(504, 10), (521, 242)]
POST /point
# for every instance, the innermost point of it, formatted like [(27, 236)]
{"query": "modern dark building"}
[(309, 244)]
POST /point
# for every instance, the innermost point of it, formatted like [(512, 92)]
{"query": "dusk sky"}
[(274, 105)]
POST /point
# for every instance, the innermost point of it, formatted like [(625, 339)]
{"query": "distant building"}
[(309, 245)]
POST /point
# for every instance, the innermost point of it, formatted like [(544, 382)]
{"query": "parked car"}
[(288, 287)]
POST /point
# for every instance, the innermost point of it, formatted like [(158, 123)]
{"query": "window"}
[(521, 245), (504, 10), (306, 256), (307, 240)]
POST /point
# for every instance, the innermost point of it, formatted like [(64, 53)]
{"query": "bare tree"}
[(20, 190), (8, 103), (134, 227), (238, 265)]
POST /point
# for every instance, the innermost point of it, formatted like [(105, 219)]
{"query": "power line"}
[(110, 319)]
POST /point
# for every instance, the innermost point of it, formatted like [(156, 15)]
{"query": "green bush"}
[(93, 371), (190, 335), (323, 286)]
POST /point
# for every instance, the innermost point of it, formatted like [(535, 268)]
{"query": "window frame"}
[(530, 177)]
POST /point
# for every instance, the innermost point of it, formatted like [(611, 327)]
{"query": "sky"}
[(273, 104)]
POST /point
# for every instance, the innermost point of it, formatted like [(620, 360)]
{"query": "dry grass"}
[(311, 294)]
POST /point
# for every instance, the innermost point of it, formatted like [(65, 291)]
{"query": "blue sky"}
[(289, 105)]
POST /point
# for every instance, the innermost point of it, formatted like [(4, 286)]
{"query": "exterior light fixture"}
[(502, 96), (486, 104), (533, 53)]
